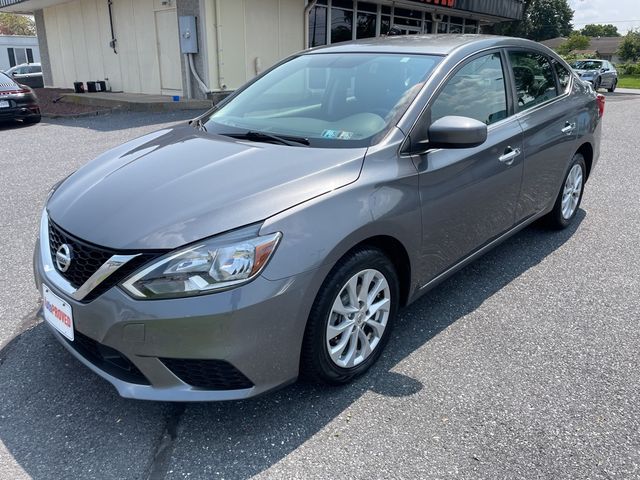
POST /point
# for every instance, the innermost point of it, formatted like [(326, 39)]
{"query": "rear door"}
[(469, 195), (548, 115), (608, 75)]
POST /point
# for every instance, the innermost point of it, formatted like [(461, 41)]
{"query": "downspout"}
[(220, 63), (307, 9), (113, 43)]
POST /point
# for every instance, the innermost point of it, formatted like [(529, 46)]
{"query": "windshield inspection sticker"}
[(337, 134)]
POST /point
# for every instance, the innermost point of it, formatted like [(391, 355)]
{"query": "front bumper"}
[(256, 329)]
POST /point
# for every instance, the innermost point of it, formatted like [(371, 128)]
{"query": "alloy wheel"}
[(572, 191), (358, 318)]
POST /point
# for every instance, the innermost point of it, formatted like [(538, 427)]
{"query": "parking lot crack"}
[(163, 450)]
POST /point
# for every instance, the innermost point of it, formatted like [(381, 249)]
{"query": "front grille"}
[(207, 374), (107, 359), (87, 258)]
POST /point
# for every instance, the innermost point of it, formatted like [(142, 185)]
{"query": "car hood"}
[(179, 185)]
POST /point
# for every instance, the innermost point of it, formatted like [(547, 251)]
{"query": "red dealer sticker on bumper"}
[(57, 313)]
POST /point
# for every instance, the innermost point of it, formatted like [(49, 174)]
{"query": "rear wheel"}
[(33, 119), (613, 86), (351, 318), (570, 196)]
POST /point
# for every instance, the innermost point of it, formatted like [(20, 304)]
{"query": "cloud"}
[(624, 14)]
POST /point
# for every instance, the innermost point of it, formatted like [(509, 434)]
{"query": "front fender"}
[(384, 201)]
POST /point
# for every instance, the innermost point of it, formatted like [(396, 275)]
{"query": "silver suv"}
[(280, 233)]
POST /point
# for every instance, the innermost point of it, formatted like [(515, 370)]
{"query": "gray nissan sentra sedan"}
[(278, 234)]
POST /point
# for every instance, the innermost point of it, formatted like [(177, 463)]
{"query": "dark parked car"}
[(279, 233), (600, 73), (17, 102), (27, 74)]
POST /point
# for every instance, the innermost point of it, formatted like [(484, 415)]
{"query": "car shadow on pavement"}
[(59, 420), (8, 125)]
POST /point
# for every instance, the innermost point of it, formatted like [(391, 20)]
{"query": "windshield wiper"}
[(255, 136)]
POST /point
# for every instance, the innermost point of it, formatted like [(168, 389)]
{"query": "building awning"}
[(26, 6), (499, 9)]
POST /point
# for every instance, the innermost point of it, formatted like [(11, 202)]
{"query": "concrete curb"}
[(77, 115), (136, 106)]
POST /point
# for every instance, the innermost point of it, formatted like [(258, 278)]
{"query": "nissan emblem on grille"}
[(63, 257)]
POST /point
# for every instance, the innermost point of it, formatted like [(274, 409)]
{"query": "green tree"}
[(541, 20), (12, 24), (629, 50), (574, 42), (596, 30)]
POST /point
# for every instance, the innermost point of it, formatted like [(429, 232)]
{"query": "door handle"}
[(569, 128), (509, 155)]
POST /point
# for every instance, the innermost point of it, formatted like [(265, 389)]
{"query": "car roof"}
[(440, 44)]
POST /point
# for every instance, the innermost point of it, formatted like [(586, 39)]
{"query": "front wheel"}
[(351, 317), (596, 84), (570, 196)]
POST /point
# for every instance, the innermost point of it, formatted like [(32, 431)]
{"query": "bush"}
[(629, 68)]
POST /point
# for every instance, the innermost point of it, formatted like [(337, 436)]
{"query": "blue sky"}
[(624, 14)]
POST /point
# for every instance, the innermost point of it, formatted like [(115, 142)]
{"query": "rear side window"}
[(477, 90), (534, 78), (564, 77)]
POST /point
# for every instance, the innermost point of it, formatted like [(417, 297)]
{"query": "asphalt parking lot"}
[(523, 365)]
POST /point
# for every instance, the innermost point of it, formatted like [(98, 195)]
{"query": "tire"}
[(316, 361), (561, 216), (613, 86), (33, 119), (596, 84)]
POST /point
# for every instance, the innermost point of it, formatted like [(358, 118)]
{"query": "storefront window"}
[(385, 24), (366, 20), (455, 25), (341, 21), (443, 25), (470, 26), (318, 27), (332, 21)]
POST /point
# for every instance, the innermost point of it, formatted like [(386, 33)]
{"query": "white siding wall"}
[(17, 41), (254, 33), (78, 35)]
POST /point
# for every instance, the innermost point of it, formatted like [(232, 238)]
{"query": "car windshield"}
[(327, 99), (587, 65)]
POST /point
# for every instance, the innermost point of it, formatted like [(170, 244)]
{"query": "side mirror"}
[(457, 132), (604, 69)]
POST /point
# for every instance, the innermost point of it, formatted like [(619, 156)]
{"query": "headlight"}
[(208, 266)]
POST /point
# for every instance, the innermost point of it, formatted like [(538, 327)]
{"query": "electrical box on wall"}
[(188, 34)]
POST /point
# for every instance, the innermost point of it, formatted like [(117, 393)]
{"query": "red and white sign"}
[(444, 3), (57, 313)]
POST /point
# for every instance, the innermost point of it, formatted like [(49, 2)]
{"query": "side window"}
[(534, 78), (477, 90), (564, 77)]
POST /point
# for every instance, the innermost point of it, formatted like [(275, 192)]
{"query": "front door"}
[(469, 195), (169, 51)]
